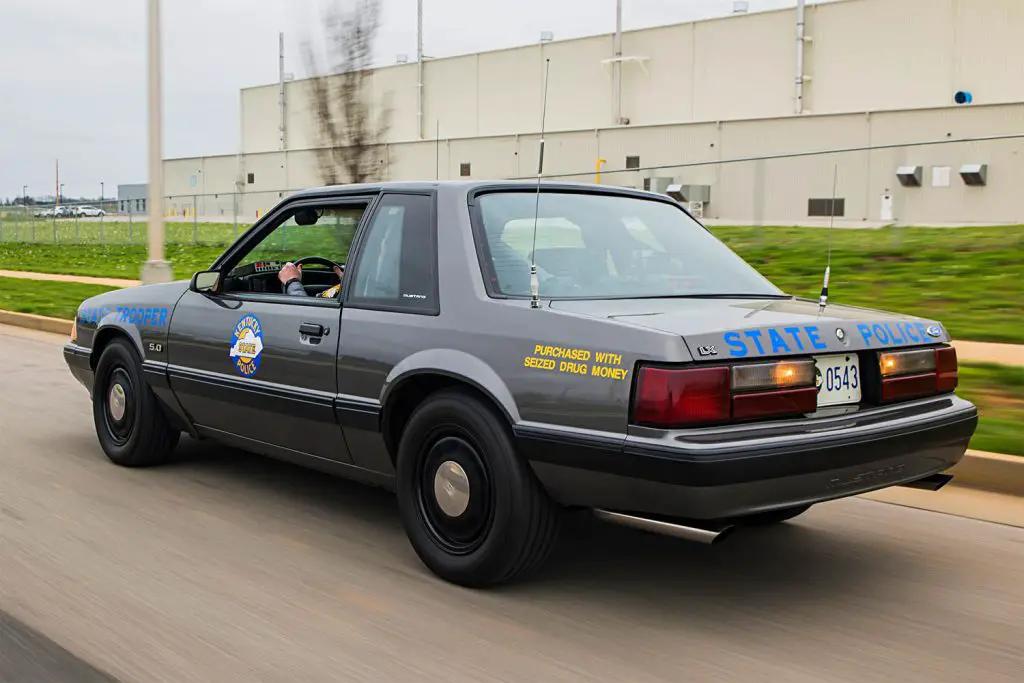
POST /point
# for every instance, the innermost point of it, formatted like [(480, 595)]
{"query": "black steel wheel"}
[(455, 493), (472, 508), (130, 424)]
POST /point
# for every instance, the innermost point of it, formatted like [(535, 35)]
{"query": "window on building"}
[(826, 207), (633, 162), (251, 178), (464, 169), (397, 266), (122, 205)]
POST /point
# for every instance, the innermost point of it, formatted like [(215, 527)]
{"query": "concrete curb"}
[(990, 472), (36, 322), (81, 279), (979, 470)]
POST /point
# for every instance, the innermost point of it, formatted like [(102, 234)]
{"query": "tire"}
[(141, 436), (507, 526), (773, 516)]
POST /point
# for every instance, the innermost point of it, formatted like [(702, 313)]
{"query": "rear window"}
[(606, 246)]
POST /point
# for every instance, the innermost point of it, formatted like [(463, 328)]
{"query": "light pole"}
[(156, 269), (102, 240)]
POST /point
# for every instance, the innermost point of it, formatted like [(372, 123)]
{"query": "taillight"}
[(668, 397), (688, 396), (916, 373)]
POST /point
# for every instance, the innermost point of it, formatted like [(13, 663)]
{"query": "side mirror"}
[(205, 281)]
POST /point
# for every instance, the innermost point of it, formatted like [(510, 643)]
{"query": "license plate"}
[(838, 379)]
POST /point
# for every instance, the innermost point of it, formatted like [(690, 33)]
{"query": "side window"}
[(397, 261), (329, 236), (326, 232)]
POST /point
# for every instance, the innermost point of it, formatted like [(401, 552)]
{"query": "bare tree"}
[(350, 136)]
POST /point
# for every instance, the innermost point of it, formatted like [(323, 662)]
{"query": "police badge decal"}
[(247, 345)]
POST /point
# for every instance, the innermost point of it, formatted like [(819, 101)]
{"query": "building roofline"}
[(564, 41)]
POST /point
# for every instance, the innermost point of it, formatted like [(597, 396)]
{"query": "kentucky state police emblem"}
[(247, 345)]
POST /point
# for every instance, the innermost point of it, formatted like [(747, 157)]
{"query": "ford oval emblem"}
[(934, 331)]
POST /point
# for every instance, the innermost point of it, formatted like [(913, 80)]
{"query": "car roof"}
[(463, 187)]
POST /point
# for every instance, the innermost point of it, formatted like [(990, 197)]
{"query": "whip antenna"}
[(823, 299), (534, 281)]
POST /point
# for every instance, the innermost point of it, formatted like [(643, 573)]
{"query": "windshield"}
[(604, 246)]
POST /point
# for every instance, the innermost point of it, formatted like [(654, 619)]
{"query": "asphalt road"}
[(233, 568)]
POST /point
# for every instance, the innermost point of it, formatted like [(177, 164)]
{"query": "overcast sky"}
[(72, 72)]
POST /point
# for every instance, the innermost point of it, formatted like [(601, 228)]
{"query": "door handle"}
[(312, 330)]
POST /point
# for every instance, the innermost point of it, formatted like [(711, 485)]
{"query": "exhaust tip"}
[(932, 482), (692, 531)]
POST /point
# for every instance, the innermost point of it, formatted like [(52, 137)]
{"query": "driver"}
[(290, 276)]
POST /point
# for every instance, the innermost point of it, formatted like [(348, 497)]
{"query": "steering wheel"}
[(319, 260)]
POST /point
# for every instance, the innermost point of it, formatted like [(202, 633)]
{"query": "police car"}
[(500, 353)]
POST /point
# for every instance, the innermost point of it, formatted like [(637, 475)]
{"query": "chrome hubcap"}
[(451, 488), (116, 402)]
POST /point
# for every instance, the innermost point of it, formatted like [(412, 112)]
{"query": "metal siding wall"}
[(489, 158), (917, 54), (260, 118), (744, 67), (299, 122), (876, 54), (423, 160), (450, 98), (766, 192), (399, 84), (999, 201), (781, 191), (989, 57), (580, 89), (668, 79), (509, 91)]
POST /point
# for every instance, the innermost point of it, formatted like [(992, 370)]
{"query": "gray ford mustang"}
[(498, 353)]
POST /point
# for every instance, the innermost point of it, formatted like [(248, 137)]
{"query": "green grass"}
[(998, 391), (971, 279), (54, 299)]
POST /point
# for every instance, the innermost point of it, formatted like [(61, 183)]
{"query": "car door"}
[(390, 313), (258, 368)]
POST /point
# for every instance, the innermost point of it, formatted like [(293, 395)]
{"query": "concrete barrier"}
[(990, 472), (36, 322)]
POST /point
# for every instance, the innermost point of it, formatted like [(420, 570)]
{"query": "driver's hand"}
[(338, 271), (289, 271)]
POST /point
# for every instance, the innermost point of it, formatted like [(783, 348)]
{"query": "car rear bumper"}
[(719, 474), (78, 360)]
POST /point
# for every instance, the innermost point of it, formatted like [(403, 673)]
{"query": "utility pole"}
[(617, 64), (419, 69), (280, 90), (156, 269)]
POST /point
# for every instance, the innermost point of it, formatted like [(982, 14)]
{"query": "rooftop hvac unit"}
[(909, 176), (974, 174), (689, 193)]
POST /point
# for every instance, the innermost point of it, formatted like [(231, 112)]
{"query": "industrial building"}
[(738, 110)]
